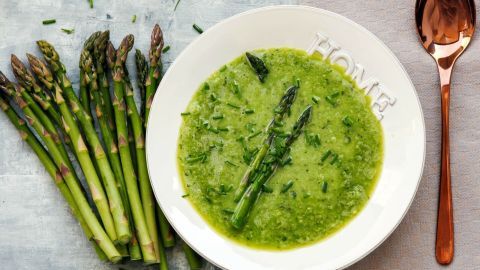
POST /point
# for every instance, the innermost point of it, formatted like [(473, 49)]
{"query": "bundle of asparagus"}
[(113, 165)]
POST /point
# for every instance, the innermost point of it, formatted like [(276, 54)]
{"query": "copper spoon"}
[(445, 28)]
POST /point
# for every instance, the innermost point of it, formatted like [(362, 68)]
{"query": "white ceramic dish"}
[(292, 26)]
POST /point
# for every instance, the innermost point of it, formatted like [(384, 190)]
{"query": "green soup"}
[(334, 163)]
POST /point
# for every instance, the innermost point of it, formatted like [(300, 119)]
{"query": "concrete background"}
[(36, 229)]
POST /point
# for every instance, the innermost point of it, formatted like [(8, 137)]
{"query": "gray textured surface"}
[(36, 230)]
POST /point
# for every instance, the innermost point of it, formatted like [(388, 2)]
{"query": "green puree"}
[(335, 162)]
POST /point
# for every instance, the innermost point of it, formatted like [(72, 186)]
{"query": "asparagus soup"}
[(279, 149)]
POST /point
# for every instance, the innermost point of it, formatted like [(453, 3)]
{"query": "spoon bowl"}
[(445, 28)]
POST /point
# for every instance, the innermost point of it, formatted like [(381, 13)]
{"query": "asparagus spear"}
[(112, 149), (258, 66), (166, 231), (194, 261), (266, 171), (94, 225), (26, 79), (84, 95), (46, 122), (154, 72), (100, 47), (79, 147), (280, 111), (116, 62), (117, 209), (142, 73), (146, 192), (49, 165)]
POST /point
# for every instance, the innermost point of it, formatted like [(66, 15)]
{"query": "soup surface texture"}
[(334, 163)]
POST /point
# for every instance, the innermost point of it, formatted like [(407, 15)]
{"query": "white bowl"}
[(297, 27)]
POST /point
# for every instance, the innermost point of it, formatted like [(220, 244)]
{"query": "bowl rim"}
[(364, 32)]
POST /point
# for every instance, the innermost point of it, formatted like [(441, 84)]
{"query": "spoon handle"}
[(444, 242)]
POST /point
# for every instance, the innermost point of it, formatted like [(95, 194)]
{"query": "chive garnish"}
[(315, 99), (231, 163), (185, 113), (313, 140), (347, 121), (185, 195), (50, 21), (202, 157), (166, 49), (233, 105), (267, 189), (228, 211), (236, 88), (197, 28), (254, 135), (223, 68), (297, 82), (217, 117), (331, 98), (324, 186), (249, 111), (223, 129), (334, 159), (326, 155), (206, 86), (286, 186), (91, 3), (134, 18), (68, 31), (175, 8)]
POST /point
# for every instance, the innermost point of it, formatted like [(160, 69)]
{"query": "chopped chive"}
[(185, 195), (91, 3), (166, 49), (315, 99), (313, 140), (134, 18), (68, 31), (176, 5), (326, 155), (231, 163), (217, 116), (286, 186), (236, 88), (212, 129), (223, 68), (206, 86), (324, 186), (228, 211), (254, 135), (202, 157), (334, 159), (249, 111), (50, 21), (297, 82), (233, 105), (223, 129), (185, 113), (331, 98), (213, 97), (347, 121), (267, 189), (197, 28)]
